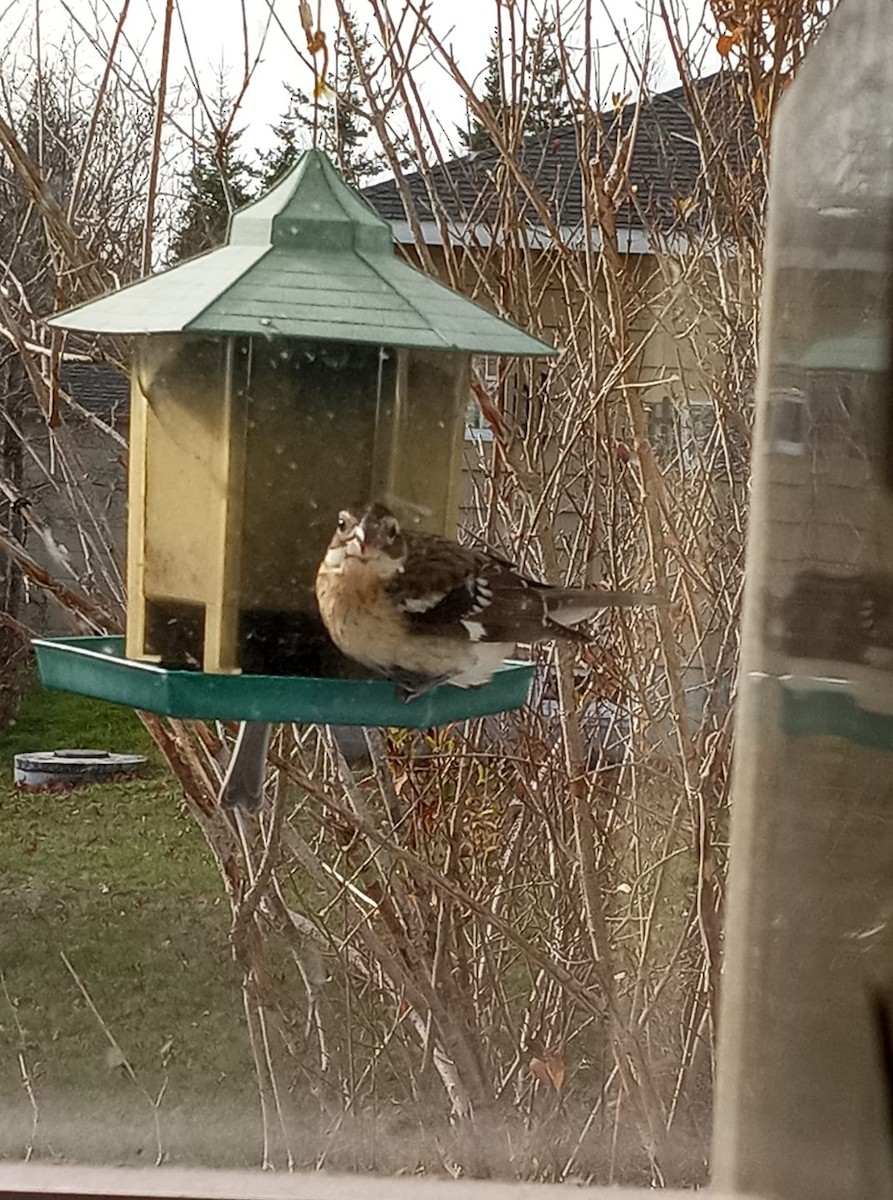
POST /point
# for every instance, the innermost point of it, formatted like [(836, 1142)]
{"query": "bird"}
[(423, 610)]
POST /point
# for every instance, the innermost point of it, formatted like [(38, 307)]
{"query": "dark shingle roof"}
[(96, 387), (665, 169)]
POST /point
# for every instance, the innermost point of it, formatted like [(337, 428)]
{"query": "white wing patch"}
[(420, 604), (483, 596), (474, 629)]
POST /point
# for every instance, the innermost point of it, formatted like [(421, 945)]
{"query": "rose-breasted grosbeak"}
[(423, 610)]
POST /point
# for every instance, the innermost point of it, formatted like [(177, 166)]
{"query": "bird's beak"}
[(359, 536)]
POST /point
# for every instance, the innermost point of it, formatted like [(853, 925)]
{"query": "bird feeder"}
[(296, 370)]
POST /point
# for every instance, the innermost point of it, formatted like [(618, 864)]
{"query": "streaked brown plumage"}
[(423, 610)]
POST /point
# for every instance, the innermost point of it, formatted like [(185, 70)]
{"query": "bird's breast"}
[(355, 611), (364, 625)]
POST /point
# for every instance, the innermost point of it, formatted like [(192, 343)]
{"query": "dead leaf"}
[(549, 1069), (727, 41), (555, 1067), (685, 204)]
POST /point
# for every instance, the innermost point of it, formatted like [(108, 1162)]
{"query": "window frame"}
[(63, 1182)]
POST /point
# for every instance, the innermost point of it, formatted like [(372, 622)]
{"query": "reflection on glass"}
[(804, 1092)]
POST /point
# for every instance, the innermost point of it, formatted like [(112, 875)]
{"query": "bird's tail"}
[(571, 606), (243, 784)]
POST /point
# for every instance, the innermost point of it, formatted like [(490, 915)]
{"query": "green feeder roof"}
[(310, 259)]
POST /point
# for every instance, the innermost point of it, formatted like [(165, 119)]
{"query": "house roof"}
[(664, 173), (97, 387), (310, 259)]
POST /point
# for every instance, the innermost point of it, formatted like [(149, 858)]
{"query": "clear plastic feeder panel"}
[(244, 451)]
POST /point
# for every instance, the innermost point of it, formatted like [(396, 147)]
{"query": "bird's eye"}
[(342, 523)]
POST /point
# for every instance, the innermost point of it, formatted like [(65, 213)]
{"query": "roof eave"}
[(109, 313), (477, 236), (520, 346)]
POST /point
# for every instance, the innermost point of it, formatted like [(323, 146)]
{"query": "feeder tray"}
[(96, 666)]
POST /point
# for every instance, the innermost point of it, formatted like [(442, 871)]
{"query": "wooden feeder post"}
[(805, 1072), (300, 368)]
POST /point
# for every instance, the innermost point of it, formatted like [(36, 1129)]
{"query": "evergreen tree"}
[(341, 133), (543, 102), (545, 93), (220, 181), (477, 137)]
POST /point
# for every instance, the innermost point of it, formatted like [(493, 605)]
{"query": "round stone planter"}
[(70, 768)]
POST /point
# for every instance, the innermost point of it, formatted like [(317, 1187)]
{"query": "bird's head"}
[(371, 537)]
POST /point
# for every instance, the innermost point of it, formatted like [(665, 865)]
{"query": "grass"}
[(114, 876)]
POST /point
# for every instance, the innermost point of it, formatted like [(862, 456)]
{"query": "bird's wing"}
[(454, 590), (439, 587)]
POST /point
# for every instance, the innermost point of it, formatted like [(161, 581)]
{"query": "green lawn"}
[(116, 878)]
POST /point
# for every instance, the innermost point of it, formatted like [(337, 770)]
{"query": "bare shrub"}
[(496, 948)]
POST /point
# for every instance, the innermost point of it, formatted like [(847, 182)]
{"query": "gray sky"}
[(213, 31), (466, 26)]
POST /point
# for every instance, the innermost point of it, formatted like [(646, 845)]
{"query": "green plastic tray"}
[(816, 709), (95, 666)]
